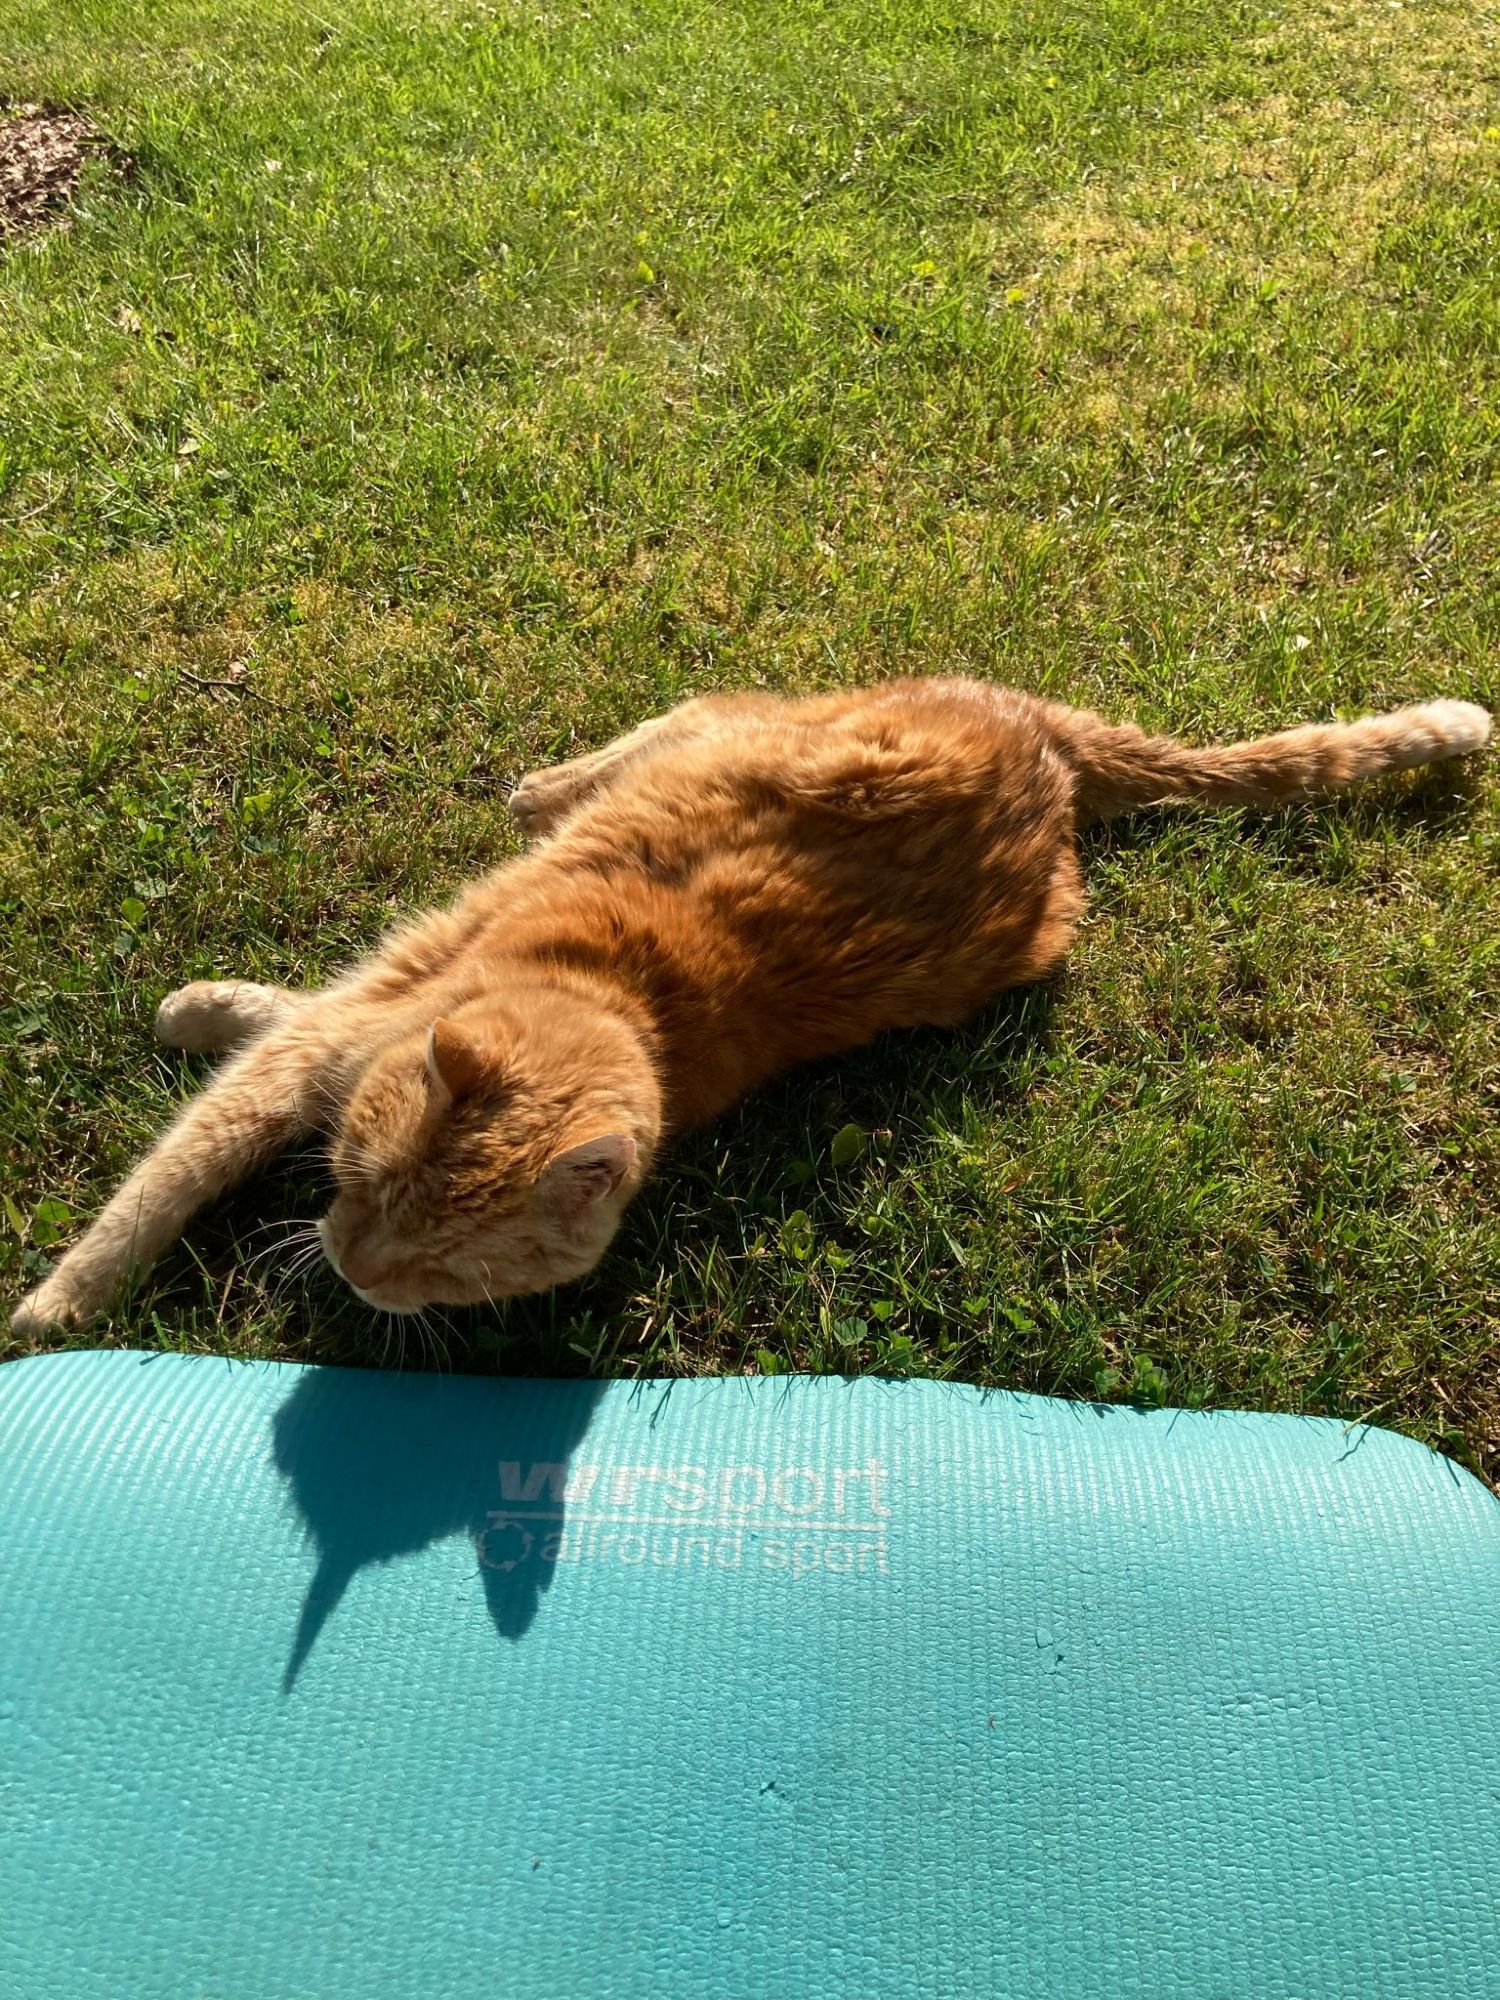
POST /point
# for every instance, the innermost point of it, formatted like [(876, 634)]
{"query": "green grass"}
[(461, 382)]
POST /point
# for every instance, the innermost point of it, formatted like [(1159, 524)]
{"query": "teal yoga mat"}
[(318, 1683)]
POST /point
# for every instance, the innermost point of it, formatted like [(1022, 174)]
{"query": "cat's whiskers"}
[(490, 1299), (424, 1334), (293, 1234), (302, 1246), (305, 1259), (277, 1222), (397, 1326)]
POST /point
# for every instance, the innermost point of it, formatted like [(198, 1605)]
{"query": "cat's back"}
[(923, 779), (851, 864), (841, 831)]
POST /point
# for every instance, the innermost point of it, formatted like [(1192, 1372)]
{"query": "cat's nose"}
[(360, 1269), (355, 1266)]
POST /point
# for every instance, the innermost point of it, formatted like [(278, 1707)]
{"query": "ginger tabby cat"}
[(731, 889)]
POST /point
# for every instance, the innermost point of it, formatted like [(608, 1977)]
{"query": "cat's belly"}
[(766, 989)]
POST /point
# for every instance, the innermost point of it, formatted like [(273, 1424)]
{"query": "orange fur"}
[(729, 890)]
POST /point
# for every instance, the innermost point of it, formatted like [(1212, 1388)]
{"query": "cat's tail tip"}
[(1437, 730)]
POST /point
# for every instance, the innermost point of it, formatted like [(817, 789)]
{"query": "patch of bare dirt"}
[(42, 151)]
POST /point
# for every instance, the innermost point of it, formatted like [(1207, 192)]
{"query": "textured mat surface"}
[(321, 1683)]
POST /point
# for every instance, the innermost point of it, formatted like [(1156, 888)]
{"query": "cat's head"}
[(490, 1155)]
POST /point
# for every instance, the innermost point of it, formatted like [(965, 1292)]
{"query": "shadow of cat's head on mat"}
[(380, 1466)]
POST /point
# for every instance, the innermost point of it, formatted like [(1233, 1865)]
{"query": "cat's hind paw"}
[(542, 800), (214, 1014)]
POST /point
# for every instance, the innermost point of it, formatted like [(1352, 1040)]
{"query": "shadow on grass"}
[(744, 1171), (1309, 838)]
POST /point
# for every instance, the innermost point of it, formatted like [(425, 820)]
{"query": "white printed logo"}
[(796, 1519)]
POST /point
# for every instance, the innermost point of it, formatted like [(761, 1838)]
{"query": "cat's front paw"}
[(48, 1309)]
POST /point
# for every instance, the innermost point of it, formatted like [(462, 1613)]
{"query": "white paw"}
[(539, 802), (50, 1307), (178, 1014), (213, 1014)]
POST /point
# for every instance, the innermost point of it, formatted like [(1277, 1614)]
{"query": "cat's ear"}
[(457, 1063), (578, 1180)]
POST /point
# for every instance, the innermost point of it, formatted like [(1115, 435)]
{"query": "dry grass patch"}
[(1368, 107)]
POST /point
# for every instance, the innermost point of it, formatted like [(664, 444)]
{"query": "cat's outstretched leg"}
[(544, 798), (217, 1014), (257, 1104)]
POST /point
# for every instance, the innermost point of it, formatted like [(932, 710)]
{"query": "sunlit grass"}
[(451, 385)]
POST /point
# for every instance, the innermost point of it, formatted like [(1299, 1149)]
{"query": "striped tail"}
[(1120, 767)]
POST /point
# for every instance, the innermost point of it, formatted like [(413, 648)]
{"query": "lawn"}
[(447, 386)]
